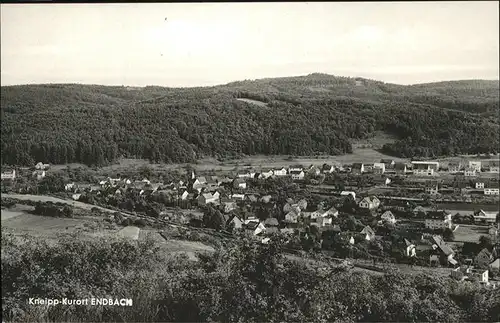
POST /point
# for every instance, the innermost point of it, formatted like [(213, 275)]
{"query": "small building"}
[(479, 185), (470, 172), (476, 164), (238, 197), (347, 193), (438, 220), (370, 203), (469, 273), (327, 169), (9, 175), (426, 168), (368, 233), (494, 166), (484, 217), (388, 217), (297, 175), (208, 198), (432, 189), (239, 183), (280, 171), (313, 170)]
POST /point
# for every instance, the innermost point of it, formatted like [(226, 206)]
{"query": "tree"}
[(448, 235), (485, 242), (67, 211)]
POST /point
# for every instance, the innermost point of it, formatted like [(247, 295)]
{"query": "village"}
[(420, 213)]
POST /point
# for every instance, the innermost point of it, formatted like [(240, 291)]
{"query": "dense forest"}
[(307, 115), (238, 283)]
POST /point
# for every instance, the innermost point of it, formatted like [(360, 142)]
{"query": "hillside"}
[(306, 115)]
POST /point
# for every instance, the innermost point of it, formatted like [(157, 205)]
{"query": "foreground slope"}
[(314, 114)]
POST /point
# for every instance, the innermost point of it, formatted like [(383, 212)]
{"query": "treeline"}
[(95, 125), (242, 283)]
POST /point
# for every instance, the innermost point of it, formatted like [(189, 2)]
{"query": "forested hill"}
[(305, 115)]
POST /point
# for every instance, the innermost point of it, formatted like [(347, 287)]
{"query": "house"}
[(235, 222), (184, 195), (9, 175), (323, 221), (346, 193), (69, 186), (400, 168), (271, 225), (494, 166), (432, 189), (470, 172), (254, 228), (389, 163), (246, 174), (228, 205), (313, 170), (388, 217), (479, 185), (369, 203), (470, 273), (292, 216), (199, 183), (445, 252), (475, 165), (280, 172), (484, 217), (321, 213), (358, 168), (239, 183), (76, 197), (266, 199), (454, 167), (368, 233), (266, 174), (438, 220), (483, 258), (495, 264), (379, 168), (297, 175), (327, 169), (238, 197), (39, 174), (426, 168), (491, 188), (409, 248), (42, 166), (207, 198), (368, 168)]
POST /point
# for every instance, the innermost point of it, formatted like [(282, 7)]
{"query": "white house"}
[(69, 186), (485, 217), (297, 175), (426, 168), (239, 197), (475, 165), (207, 198), (369, 203), (76, 197), (479, 185), (184, 195), (346, 193), (280, 172), (266, 174), (368, 233), (9, 175), (491, 191)]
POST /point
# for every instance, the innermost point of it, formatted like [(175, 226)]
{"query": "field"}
[(365, 155), (470, 233)]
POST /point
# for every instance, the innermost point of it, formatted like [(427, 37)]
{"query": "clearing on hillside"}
[(255, 102), (129, 232)]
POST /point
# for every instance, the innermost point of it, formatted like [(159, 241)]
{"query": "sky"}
[(200, 44)]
